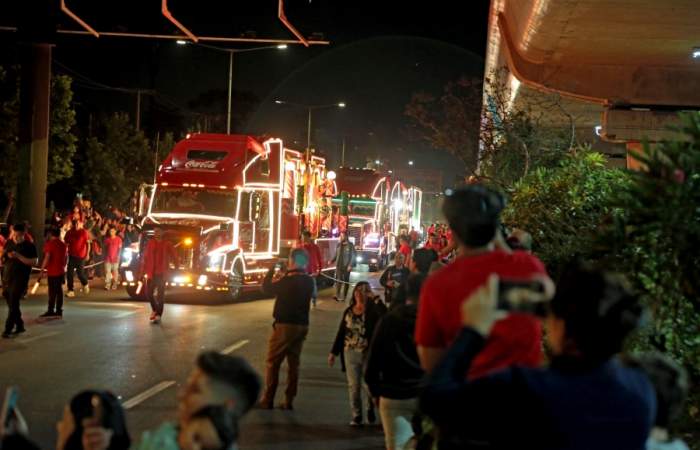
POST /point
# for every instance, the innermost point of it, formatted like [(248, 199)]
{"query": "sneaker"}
[(58, 314), (6, 335), (20, 330), (371, 418), (356, 422), (263, 405), (86, 289), (70, 294), (115, 286), (286, 406), (157, 319), (153, 317), (335, 297), (48, 314)]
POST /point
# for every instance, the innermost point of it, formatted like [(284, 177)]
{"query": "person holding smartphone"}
[(293, 291), (18, 258)]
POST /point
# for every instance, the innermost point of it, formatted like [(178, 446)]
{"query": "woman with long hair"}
[(352, 344)]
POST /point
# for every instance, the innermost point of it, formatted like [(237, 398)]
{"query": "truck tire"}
[(235, 282), (131, 290)]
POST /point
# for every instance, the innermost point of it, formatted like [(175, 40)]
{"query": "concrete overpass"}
[(627, 66)]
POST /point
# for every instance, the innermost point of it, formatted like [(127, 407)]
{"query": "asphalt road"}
[(105, 341)]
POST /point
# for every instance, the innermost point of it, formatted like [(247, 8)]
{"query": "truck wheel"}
[(235, 283), (131, 290)]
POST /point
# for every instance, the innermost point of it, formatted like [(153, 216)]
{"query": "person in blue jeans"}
[(586, 398), (352, 344)]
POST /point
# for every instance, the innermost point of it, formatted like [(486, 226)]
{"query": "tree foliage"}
[(520, 133), (657, 239), (503, 138), (450, 122), (644, 224), (563, 207), (117, 160), (62, 140)]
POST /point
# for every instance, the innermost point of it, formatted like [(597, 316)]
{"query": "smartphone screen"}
[(9, 405)]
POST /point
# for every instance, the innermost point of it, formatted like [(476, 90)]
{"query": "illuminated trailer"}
[(232, 206)]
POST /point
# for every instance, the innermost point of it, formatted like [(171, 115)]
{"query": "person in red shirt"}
[(315, 258), (473, 215), (112, 251), (78, 241), (405, 248), (434, 244), (157, 257), (54, 263)]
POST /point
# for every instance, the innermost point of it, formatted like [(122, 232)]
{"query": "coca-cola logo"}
[(193, 164)]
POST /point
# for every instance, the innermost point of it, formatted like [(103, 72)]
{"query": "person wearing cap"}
[(473, 216), (18, 258), (585, 399)]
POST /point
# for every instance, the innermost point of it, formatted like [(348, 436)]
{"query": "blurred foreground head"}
[(473, 214)]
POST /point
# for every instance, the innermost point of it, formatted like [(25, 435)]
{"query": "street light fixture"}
[(230, 52)]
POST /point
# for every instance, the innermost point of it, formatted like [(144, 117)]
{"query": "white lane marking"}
[(36, 338), (148, 393), (234, 347), (127, 314)]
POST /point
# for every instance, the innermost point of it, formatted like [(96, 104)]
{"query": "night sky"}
[(379, 56)]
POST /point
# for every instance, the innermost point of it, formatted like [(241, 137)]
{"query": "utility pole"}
[(138, 109), (35, 88), (155, 158), (342, 157), (308, 138), (230, 85)]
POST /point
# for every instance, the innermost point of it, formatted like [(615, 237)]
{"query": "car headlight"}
[(373, 260), (358, 259)]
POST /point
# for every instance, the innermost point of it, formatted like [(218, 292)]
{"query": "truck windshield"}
[(194, 201)]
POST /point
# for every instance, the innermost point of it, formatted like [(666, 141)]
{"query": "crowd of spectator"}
[(454, 356)]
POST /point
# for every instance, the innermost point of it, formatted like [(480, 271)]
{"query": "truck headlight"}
[(358, 259), (214, 263), (202, 280), (373, 260), (127, 255)]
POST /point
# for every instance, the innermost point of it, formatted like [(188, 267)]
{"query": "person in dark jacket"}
[(393, 277), (352, 343), (421, 263), (294, 291), (586, 399), (393, 374), (344, 260)]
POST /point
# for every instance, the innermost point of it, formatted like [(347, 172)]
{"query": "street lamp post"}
[(310, 108), (230, 52)]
